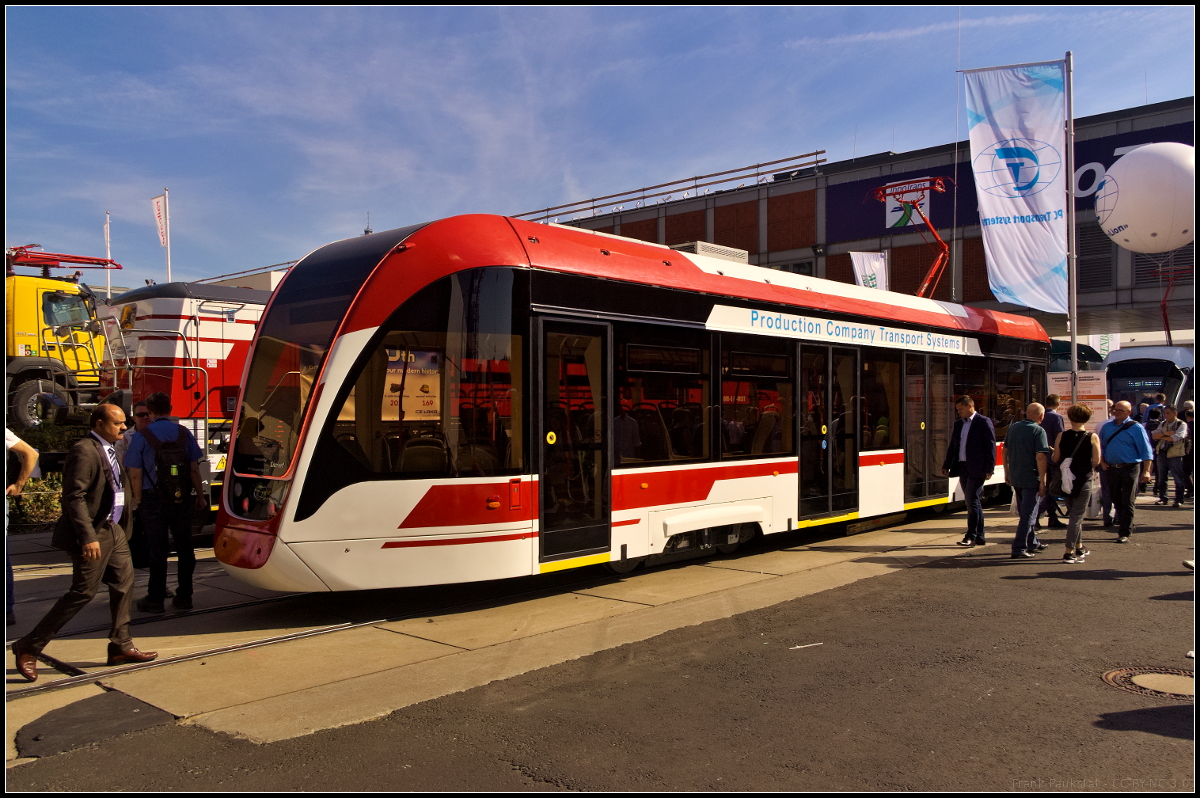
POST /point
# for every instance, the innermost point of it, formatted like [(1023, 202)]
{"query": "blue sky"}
[(277, 130)]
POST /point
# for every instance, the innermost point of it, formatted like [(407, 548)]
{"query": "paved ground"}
[(923, 667)]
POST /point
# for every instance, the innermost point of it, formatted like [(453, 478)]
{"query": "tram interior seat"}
[(477, 459), (476, 422), (687, 434), (764, 434), (882, 433), (424, 455), (349, 442), (653, 431), (557, 419), (583, 422)]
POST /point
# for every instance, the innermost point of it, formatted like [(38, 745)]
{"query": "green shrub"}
[(52, 437), (38, 502)]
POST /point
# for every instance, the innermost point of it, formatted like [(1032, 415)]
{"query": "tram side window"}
[(662, 382), (881, 404), (441, 402), (1008, 377), (1038, 387), (757, 398), (972, 378)]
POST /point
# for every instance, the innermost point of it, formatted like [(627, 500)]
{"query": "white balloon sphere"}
[(1145, 202)]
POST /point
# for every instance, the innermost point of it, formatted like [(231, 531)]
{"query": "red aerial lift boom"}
[(26, 256)]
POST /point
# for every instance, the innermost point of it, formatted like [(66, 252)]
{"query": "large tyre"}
[(37, 402)]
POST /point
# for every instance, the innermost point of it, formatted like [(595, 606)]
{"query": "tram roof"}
[(221, 293), (463, 242)]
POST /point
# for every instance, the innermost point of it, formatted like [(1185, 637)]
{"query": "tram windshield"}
[(295, 335)]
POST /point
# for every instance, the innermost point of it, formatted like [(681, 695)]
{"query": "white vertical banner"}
[(1016, 116), (1104, 343), (108, 255), (160, 217), (870, 269)]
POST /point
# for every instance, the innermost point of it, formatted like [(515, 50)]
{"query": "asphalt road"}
[(972, 673)]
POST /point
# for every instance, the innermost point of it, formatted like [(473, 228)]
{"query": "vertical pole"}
[(1072, 275), (108, 255), (167, 214)]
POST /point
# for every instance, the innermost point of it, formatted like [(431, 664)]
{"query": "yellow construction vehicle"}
[(54, 341)]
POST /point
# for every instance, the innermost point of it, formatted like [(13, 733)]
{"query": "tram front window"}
[(294, 337)]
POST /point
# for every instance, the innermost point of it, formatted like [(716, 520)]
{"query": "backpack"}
[(172, 469)]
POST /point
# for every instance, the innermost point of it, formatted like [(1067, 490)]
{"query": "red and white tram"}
[(482, 397)]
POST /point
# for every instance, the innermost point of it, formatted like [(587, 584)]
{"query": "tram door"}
[(574, 432), (927, 426), (829, 430)]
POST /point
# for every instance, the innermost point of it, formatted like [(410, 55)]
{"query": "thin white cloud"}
[(895, 34)]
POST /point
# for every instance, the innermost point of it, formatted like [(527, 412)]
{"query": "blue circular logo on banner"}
[(1017, 167), (1106, 199)]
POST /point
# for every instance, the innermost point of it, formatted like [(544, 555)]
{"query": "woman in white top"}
[(1073, 444)]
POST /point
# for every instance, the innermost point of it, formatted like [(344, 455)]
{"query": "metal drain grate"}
[(1171, 683)]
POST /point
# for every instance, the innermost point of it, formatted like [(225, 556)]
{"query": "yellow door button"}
[(551, 438)]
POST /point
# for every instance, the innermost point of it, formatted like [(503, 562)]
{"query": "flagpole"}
[(1072, 274), (108, 256), (167, 221)]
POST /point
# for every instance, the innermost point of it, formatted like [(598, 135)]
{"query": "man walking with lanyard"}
[(1127, 460), (971, 457), (93, 509)]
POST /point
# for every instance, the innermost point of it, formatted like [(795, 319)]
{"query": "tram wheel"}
[(745, 533), (625, 566)]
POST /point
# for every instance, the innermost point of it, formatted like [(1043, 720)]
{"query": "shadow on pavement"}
[(1185, 595), (1173, 721), (1092, 574)]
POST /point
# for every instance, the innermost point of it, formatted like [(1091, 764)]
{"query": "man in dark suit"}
[(972, 458), (90, 530)]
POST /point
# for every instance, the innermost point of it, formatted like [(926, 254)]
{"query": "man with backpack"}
[(164, 475)]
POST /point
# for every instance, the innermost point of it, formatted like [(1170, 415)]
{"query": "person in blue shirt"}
[(165, 518), (1160, 401), (1127, 458)]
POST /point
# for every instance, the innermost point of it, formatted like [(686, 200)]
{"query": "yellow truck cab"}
[(54, 346)]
